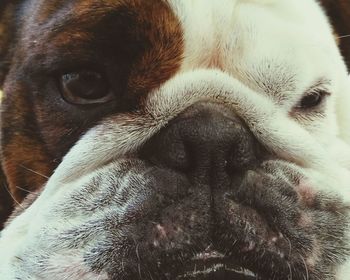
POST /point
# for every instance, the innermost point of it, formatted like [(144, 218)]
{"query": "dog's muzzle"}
[(207, 201), (192, 229), (201, 199)]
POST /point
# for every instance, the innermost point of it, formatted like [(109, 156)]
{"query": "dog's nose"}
[(208, 141)]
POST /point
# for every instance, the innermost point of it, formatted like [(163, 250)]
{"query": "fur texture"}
[(257, 59)]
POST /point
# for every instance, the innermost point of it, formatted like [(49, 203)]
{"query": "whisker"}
[(306, 268), (344, 36), (25, 190), (290, 245), (33, 171), (290, 277), (14, 199)]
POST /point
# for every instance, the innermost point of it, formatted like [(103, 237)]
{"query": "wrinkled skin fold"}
[(208, 162)]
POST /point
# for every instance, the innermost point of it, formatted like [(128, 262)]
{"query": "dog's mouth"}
[(214, 265), (247, 230)]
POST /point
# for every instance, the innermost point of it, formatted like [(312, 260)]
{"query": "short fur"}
[(94, 200)]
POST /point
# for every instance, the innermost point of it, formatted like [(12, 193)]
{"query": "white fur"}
[(233, 50)]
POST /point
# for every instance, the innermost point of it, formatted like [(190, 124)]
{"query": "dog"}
[(175, 139)]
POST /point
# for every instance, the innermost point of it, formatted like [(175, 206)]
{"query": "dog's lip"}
[(208, 254), (214, 265)]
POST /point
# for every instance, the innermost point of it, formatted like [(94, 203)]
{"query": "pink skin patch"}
[(161, 231), (165, 233), (250, 247), (315, 256), (305, 221), (307, 193)]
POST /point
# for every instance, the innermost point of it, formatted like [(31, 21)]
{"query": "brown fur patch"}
[(147, 39), (137, 43), (163, 54), (26, 166)]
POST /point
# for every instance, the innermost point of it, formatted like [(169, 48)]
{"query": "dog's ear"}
[(339, 13)]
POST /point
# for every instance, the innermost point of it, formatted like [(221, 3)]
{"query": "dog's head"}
[(189, 139)]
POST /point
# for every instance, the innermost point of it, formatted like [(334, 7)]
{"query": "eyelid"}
[(320, 85), (324, 90)]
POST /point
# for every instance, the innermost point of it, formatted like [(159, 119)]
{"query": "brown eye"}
[(85, 87), (312, 99)]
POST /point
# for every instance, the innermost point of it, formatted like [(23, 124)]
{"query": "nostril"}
[(170, 151), (177, 156)]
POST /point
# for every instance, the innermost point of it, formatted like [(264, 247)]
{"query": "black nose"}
[(207, 141)]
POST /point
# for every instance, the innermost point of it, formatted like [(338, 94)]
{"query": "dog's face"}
[(189, 139)]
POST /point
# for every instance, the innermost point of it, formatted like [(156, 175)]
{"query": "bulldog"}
[(175, 139)]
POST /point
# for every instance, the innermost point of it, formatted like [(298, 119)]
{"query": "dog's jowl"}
[(175, 139)]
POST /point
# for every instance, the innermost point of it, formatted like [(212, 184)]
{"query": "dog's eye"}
[(85, 87), (312, 99)]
